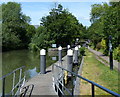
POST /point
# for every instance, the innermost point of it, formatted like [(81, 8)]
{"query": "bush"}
[(116, 53), (33, 47), (90, 44), (82, 51), (98, 46), (103, 43)]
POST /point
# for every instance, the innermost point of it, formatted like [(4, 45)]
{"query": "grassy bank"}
[(99, 73)]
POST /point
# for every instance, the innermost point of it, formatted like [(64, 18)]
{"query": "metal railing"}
[(58, 81), (18, 84), (27, 90)]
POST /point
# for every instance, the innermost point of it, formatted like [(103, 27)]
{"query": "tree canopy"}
[(16, 30), (59, 27), (105, 22)]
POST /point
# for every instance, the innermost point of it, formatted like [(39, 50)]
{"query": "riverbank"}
[(99, 73), (105, 59)]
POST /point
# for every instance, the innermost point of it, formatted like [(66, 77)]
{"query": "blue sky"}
[(36, 10)]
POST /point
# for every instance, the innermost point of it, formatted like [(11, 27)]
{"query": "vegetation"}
[(116, 53), (105, 22), (82, 51), (16, 30), (59, 27), (101, 74)]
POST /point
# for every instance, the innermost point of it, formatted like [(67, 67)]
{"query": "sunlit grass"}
[(99, 73)]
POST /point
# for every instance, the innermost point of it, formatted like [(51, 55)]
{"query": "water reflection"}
[(32, 72), (15, 59)]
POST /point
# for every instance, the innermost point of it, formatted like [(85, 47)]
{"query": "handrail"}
[(26, 90), (3, 78), (11, 72), (93, 83)]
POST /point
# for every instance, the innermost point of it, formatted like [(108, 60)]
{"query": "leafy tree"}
[(30, 32), (15, 28), (62, 25), (105, 21), (112, 24), (41, 39)]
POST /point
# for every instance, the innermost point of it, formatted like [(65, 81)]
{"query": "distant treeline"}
[(61, 27)]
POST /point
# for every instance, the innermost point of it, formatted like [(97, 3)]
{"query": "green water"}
[(15, 59), (31, 60)]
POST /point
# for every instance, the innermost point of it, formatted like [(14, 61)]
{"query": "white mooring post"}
[(68, 46), (60, 54), (70, 60), (79, 46), (42, 61), (76, 55)]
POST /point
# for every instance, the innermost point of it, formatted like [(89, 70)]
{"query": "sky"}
[(36, 9)]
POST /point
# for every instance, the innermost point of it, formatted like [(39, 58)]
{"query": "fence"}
[(62, 90), (18, 84)]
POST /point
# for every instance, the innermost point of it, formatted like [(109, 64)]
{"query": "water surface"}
[(31, 60)]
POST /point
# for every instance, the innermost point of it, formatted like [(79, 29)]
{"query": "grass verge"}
[(99, 73)]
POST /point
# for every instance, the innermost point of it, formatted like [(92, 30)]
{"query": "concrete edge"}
[(77, 84)]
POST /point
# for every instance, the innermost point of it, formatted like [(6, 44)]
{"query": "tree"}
[(15, 27), (41, 39), (10, 14), (112, 24), (105, 21), (62, 25), (59, 27)]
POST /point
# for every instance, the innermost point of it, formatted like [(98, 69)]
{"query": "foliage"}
[(105, 21), (103, 44), (116, 53), (62, 26), (82, 51), (41, 39), (16, 32), (98, 46), (59, 27)]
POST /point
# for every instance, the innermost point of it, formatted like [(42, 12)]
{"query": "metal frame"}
[(19, 83), (26, 90), (93, 84)]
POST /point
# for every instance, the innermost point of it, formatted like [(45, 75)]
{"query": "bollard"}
[(68, 46), (76, 55), (70, 60), (79, 46), (42, 61), (60, 54), (60, 62)]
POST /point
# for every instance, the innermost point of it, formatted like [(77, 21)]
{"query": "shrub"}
[(33, 47), (116, 53), (103, 43), (98, 46), (90, 44), (82, 51)]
